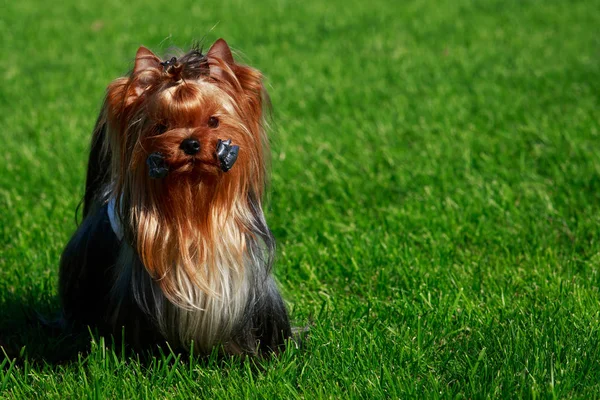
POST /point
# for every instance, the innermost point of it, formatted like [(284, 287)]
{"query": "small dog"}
[(174, 245)]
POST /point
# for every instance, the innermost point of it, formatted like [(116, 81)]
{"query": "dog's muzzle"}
[(227, 154)]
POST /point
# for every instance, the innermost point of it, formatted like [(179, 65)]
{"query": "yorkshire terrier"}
[(174, 245)]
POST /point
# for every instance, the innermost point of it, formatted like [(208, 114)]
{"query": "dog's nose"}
[(190, 146)]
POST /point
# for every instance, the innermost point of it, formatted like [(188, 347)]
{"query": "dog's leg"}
[(271, 324)]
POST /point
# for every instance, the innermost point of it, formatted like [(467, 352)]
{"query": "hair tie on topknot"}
[(167, 63), (172, 68)]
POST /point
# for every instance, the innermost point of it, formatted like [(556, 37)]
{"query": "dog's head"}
[(187, 121)]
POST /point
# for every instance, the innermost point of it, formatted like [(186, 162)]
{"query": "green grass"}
[(435, 193)]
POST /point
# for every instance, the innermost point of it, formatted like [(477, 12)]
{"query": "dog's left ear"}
[(249, 80), (219, 51), (220, 58)]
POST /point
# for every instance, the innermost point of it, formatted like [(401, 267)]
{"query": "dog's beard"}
[(198, 256)]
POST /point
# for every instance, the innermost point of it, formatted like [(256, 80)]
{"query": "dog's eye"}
[(213, 122), (161, 128)]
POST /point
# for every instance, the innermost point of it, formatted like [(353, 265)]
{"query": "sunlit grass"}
[(435, 194)]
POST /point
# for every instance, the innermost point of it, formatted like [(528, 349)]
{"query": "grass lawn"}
[(435, 193)]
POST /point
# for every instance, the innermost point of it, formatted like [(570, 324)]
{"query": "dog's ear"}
[(248, 80), (124, 91), (220, 58), (220, 49), (145, 60), (146, 70)]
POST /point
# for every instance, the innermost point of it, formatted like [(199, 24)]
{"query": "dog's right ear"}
[(145, 72), (145, 60), (125, 91)]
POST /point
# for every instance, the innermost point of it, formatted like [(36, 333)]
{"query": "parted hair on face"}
[(174, 244)]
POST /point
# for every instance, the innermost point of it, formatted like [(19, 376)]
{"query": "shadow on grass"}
[(30, 328), (33, 331)]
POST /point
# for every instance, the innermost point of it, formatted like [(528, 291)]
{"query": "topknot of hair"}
[(191, 65)]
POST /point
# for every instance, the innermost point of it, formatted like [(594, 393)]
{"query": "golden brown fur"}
[(196, 253)]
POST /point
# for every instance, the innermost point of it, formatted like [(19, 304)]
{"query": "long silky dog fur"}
[(212, 285)]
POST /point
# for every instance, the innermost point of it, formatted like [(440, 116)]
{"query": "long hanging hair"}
[(196, 249)]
